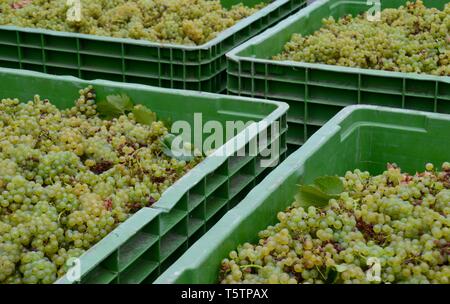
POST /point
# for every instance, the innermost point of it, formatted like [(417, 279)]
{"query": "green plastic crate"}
[(147, 243), (364, 137), (200, 68), (316, 92)]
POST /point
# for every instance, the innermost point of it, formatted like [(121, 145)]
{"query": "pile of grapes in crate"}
[(396, 224), (69, 177), (411, 38), (188, 22)]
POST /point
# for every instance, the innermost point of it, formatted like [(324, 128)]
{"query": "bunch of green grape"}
[(68, 178), (189, 22), (398, 221), (411, 39)]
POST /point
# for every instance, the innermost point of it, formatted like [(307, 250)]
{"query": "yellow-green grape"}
[(400, 220), (411, 38)]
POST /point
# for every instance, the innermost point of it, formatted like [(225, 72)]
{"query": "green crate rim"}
[(192, 258)]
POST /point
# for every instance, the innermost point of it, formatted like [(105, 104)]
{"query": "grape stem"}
[(133, 159), (60, 214), (321, 274)]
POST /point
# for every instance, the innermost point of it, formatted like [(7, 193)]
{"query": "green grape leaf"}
[(105, 112), (144, 115), (331, 185), (177, 151), (319, 193), (167, 140), (121, 101), (312, 195), (115, 105), (167, 122), (332, 273)]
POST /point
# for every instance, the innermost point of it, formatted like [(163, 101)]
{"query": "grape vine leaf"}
[(114, 106), (144, 115), (167, 122), (319, 193), (167, 140), (332, 273), (331, 185), (178, 151), (312, 195)]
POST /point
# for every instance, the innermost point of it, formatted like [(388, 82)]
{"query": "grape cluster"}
[(68, 178), (189, 22), (401, 220), (412, 39)]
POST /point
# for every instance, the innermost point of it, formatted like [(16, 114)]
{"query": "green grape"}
[(169, 21), (384, 216), (9, 255), (36, 268), (411, 38)]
